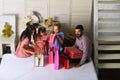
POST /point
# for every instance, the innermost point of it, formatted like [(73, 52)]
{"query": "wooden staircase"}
[(107, 34)]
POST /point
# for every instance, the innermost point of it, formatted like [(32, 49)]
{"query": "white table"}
[(14, 68)]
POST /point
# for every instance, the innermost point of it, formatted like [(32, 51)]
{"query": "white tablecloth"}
[(14, 68)]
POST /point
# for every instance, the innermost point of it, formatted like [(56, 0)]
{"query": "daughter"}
[(42, 40)]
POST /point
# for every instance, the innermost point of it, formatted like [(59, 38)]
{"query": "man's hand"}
[(78, 65)]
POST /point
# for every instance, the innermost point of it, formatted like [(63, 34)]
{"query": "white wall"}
[(69, 12)]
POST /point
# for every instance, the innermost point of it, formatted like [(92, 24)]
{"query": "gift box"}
[(73, 52), (67, 64), (64, 61)]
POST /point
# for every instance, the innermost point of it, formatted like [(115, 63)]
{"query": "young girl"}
[(59, 37), (42, 40), (25, 47)]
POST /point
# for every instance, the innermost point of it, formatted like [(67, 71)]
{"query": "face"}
[(78, 33), (56, 29), (42, 33)]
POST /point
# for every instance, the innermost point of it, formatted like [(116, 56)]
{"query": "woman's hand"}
[(78, 65), (32, 53), (32, 45)]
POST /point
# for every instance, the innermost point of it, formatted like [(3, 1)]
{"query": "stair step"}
[(108, 11), (109, 47), (109, 38), (109, 2), (109, 65), (108, 56), (101, 20), (109, 30)]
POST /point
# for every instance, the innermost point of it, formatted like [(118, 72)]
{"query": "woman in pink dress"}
[(42, 40), (25, 47)]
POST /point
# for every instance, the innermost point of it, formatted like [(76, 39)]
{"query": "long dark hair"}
[(28, 32)]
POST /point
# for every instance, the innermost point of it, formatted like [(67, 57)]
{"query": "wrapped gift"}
[(64, 61), (67, 64), (73, 52)]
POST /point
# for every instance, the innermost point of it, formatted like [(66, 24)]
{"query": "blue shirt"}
[(57, 43)]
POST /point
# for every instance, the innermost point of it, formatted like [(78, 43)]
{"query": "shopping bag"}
[(52, 40), (56, 60)]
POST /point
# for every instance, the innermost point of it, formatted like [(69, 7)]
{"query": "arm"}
[(85, 51), (60, 37), (27, 51), (75, 45), (61, 40), (26, 40)]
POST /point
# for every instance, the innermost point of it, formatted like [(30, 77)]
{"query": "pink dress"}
[(19, 51), (42, 45)]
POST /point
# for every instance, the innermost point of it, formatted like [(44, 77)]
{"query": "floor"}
[(109, 74)]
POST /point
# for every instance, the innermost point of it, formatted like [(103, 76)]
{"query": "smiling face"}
[(78, 33), (56, 29)]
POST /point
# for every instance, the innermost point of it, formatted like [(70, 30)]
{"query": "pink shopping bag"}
[(56, 60), (52, 39)]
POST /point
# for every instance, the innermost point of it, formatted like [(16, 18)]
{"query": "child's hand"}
[(39, 41), (33, 53), (32, 45), (56, 34), (42, 52), (78, 65)]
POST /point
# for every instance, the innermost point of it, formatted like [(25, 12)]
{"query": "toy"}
[(7, 32), (49, 22), (39, 59)]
